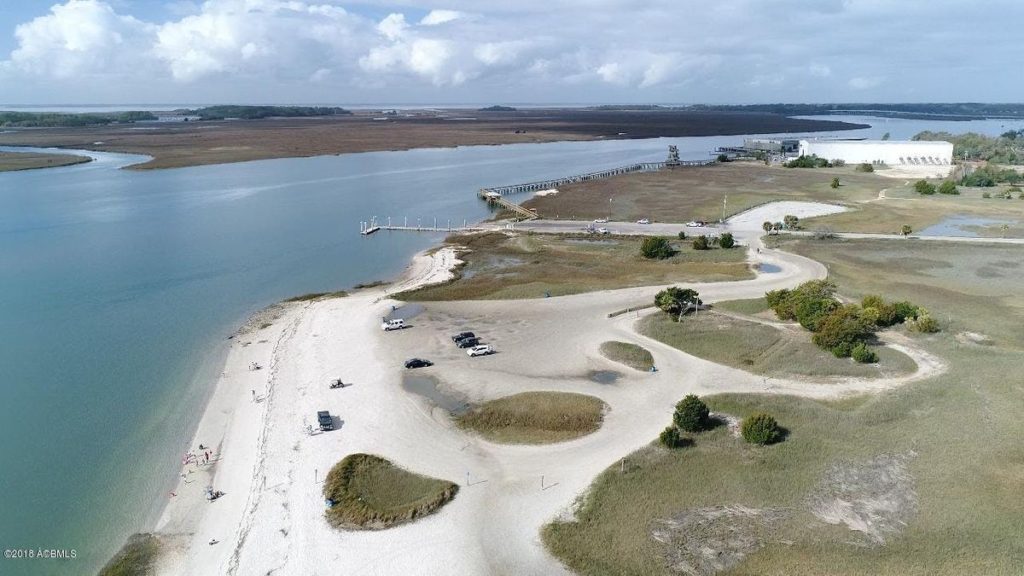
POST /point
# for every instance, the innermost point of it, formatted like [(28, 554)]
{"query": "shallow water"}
[(768, 268), (428, 387), (604, 376), (962, 225)]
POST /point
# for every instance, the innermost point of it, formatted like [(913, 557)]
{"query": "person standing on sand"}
[(253, 395)]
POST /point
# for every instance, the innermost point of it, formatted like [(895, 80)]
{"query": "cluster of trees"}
[(258, 112), (999, 150), (864, 167), (988, 176), (926, 188), (789, 222), (659, 247), (844, 329), (693, 416), (811, 161), (61, 120), (926, 111), (677, 301)]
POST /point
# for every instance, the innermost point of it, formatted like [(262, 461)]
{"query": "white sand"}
[(751, 220), (271, 519)]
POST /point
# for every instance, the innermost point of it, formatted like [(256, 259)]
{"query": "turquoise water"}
[(118, 289)]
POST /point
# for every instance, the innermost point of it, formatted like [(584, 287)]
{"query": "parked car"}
[(395, 324), (418, 363), (468, 342), (601, 221), (325, 419), (481, 350), (603, 231), (462, 335), (643, 221), (696, 224)]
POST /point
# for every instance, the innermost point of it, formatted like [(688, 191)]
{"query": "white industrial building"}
[(888, 152)]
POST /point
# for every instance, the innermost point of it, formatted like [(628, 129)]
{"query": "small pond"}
[(428, 387), (962, 225), (604, 376)]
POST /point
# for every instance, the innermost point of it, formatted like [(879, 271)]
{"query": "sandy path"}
[(271, 519)]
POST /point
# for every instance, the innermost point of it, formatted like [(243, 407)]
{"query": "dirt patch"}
[(974, 338), (875, 497), (705, 541)]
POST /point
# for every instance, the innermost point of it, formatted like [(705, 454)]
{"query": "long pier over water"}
[(556, 182)]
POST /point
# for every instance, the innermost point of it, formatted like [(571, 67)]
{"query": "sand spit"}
[(271, 517)]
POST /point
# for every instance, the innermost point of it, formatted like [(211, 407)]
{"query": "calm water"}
[(118, 289)]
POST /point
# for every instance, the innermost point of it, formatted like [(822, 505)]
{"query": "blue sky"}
[(539, 51)]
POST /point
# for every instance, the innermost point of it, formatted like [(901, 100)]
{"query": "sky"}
[(511, 52)]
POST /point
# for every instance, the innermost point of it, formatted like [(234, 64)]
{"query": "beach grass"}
[(959, 433), (535, 417), (765, 350), (136, 558), (632, 355), (499, 266), (372, 493), (750, 306)]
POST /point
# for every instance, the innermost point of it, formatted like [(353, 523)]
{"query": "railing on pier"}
[(555, 182)]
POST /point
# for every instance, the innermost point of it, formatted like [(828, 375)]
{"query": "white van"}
[(396, 324)]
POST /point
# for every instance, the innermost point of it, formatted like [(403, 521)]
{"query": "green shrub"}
[(861, 353), (676, 300), (656, 247), (924, 187), (691, 414), (681, 235), (726, 240), (948, 187), (842, 350), (835, 182), (701, 243), (760, 429), (986, 195), (808, 303), (924, 323), (844, 325), (865, 167), (811, 161), (670, 437)]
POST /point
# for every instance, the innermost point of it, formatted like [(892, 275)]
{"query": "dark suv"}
[(326, 421), (418, 363), (467, 342), (461, 336)]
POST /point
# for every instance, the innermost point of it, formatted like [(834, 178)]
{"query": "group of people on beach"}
[(197, 459)]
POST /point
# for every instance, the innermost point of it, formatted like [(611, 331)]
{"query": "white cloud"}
[(436, 17), (476, 50), (864, 83), (80, 38)]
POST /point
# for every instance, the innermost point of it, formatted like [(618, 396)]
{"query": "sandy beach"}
[(271, 516)]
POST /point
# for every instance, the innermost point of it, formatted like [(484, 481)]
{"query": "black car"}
[(467, 342), (418, 363), (326, 421), (462, 335)]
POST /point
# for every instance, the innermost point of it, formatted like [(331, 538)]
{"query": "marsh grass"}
[(372, 493), (696, 193), (761, 349), (535, 417), (750, 307), (962, 428), (636, 357), (12, 161), (313, 296), (136, 558), (534, 265)]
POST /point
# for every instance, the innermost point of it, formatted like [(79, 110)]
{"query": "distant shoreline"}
[(185, 144)]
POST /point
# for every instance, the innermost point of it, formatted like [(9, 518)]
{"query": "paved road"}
[(669, 229)]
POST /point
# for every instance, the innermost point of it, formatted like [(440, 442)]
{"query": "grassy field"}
[(691, 193), (535, 417), (763, 349), (953, 463), (532, 265), (636, 357), (11, 161), (749, 307), (372, 493), (136, 558)]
